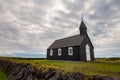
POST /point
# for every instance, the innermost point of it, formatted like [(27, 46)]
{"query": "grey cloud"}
[(104, 9), (31, 26), (74, 7)]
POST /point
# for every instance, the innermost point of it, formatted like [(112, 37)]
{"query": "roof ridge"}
[(68, 37)]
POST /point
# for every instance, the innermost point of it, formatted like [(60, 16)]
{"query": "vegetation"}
[(102, 67), (2, 75)]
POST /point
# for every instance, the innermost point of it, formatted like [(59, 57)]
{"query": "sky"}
[(29, 27)]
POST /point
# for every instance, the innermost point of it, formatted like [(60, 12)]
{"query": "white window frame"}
[(51, 52), (70, 51), (59, 52)]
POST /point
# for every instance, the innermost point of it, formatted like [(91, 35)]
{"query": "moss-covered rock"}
[(19, 71)]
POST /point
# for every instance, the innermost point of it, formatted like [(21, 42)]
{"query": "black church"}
[(74, 48)]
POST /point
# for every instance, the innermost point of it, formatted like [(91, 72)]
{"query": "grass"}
[(89, 68), (98, 67), (2, 75)]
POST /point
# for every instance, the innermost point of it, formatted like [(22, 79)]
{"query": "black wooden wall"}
[(65, 56), (79, 52), (83, 50)]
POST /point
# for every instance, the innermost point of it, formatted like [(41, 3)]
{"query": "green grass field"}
[(98, 67), (2, 75)]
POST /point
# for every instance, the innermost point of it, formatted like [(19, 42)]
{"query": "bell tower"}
[(83, 28)]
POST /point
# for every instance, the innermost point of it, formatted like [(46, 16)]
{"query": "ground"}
[(104, 67)]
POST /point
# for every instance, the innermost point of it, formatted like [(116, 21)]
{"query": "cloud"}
[(29, 27)]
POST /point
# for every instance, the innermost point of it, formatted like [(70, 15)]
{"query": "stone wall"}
[(18, 71)]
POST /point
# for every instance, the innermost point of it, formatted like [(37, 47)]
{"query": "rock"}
[(78, 76), (17, 71), (50, 73), (57, 76), (96, 77), (29, 68), (108, 78)]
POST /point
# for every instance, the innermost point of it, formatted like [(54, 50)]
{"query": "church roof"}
[(67, 42), (82, 25)]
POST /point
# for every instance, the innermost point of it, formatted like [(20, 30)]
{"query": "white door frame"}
[(88, 56)]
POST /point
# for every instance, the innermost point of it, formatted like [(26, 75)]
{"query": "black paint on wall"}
[(79, 52)]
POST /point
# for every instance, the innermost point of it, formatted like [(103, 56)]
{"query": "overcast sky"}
[(28, 27)]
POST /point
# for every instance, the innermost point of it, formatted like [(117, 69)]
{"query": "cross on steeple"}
[(81, 17)]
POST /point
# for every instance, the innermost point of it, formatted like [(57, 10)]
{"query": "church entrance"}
[(88, 56)]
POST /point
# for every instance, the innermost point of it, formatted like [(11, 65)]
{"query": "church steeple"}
[(83, 28)]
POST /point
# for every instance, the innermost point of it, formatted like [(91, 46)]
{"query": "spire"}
[(83, 28), (82, 25)]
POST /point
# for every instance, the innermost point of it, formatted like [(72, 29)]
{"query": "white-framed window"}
[(51, 52), (59, 52), (70, 51)]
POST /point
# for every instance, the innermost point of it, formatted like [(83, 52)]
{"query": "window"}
[(59, 52), (51, 52), (70, 51)]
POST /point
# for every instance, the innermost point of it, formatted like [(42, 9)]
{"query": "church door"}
[(88, 56)]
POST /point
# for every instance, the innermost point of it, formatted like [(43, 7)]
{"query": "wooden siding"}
[(83, 49), (79, 52), (65, 55)]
